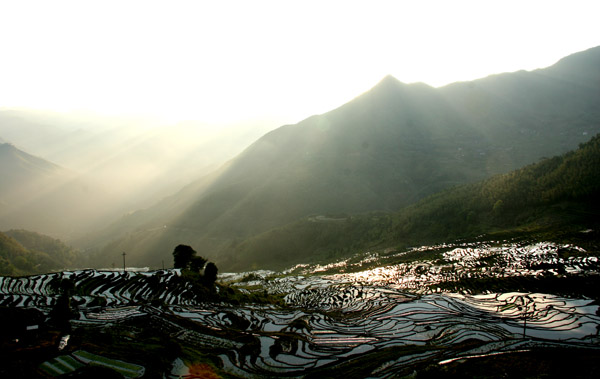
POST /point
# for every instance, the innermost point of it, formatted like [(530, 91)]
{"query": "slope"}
[(38, 195), (140, 160), (24, 253), (23, 173), (384, 150), (554, 197)]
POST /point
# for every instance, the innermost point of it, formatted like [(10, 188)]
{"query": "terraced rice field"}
[(296, 342), (381, 322)]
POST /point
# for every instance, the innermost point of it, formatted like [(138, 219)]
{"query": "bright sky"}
[(229, 61)]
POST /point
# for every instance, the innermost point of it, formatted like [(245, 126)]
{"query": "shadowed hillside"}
[(555, 197), (382, 151)]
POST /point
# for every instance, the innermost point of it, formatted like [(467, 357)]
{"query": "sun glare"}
[(238, 60)]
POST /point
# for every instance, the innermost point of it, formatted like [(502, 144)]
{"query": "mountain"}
[(139, 160), (382, 151), (36, 194), (23, 173), (19, 168), (554, 197)]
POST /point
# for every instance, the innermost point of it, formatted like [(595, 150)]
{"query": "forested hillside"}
[(24, 253), (554, 196), (559, 191)]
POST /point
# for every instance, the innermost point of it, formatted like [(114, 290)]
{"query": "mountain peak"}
[(389, 82), (389, 79), (390, 88), (386, 86)]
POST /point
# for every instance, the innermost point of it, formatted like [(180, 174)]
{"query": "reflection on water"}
[(291, 341), (393, 315)]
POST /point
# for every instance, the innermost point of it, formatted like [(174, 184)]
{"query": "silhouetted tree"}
[(197, 263), (210, 273), (182, 256)]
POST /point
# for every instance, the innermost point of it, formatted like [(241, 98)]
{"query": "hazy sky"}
[(227, 61)]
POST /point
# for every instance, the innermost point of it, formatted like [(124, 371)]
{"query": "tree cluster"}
[(25, 253), (186, 258)]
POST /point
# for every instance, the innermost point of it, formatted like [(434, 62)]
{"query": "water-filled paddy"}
[(382, 321)]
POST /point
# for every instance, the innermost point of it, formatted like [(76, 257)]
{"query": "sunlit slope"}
[(38, 195), (11, 252), (23, 253), (20, 169), (551, 197), (365, 155), (25, 178), (368, 154), (138, 161), (382, 151), (134, 228)]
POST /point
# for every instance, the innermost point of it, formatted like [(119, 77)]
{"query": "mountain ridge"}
[(22, 172), (383, 150)]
